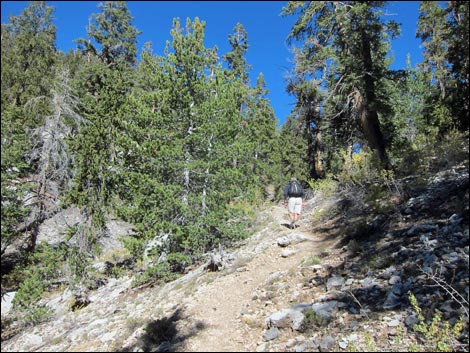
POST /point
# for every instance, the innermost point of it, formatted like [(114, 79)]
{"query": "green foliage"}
[(134, 245), (359, 169), (311, 260), (47, 261), (339, 45), (167, 143), (160, 273), (439, 335), (313, 321), (28, 54), (177, 145), (29, 292), (430, 152), (235, 59), (452, 149), (444, 35), (178, 262), (293, 146), (78, 263), (70, 232), (12, 211), (326, 186), (113, 31), (201, 140), (42, 267), (362, 171)]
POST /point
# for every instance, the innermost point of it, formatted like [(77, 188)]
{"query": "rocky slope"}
[(340, 281)]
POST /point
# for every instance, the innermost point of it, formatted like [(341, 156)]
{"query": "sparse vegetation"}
[(311, 260), (326, 186), (313, 321), (439, 335), (185, 148)]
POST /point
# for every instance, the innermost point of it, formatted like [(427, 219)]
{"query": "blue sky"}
[(267, 31)]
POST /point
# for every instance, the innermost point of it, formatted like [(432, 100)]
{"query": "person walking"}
[(294, 195)]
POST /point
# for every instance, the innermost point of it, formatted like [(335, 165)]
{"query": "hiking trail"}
[(225, 310)]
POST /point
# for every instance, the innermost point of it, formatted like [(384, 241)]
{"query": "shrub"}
[(327, 186), (134, 245), (311, 260), (359, 168), (77, 262), (29, 293), (439, 335), (160, 273), (178, 262), (313, 321)]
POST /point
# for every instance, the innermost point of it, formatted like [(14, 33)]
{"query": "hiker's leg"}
[(291, 220), (291, 217), (291, 209), (297, 209)]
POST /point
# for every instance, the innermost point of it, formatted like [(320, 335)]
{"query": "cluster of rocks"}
[(361, 294), (352, 298)]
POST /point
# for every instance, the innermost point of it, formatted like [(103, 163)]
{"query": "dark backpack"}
[(295, 189)]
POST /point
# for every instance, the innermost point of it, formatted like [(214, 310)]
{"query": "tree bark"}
[(369, 117)]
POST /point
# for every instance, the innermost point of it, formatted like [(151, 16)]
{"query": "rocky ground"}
[(341, 281)]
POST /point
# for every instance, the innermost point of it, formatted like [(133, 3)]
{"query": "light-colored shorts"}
[(294, 205)]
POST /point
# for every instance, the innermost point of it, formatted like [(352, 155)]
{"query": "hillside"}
[(340, 281)]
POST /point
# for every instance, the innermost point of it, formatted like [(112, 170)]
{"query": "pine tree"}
[(112, 31), (236, 58), (181, 129), (28, 53), (103, 83), (344, 51), (458, 58), (263, 134), (292, 142), (444, 33)]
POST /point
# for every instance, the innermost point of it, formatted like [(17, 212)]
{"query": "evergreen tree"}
[(434, 33), (258, 136), (28, 54), (103, 83), (459, 60), (292, 142), (236, 58), (263, 135), (182, 125), (307, 111), (113, 32), (409, 90), (344, 50), (444, 33)]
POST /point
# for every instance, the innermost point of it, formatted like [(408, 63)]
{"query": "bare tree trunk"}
[(51, 151), (318, 155), (186, 177), (369, 117), (206, 178), (313, 137)]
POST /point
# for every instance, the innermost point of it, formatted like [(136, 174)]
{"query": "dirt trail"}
[(217, 308)]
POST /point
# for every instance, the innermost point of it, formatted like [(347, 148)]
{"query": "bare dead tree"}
[(50, 150)]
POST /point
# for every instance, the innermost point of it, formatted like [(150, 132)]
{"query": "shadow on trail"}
[(287, 225), (162, 335)]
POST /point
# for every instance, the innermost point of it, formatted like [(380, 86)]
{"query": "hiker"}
[(294, 199)]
